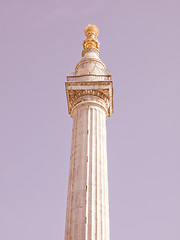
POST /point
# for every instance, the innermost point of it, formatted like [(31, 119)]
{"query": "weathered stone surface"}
[(87, 204)]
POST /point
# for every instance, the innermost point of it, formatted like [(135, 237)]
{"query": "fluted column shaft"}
[(87, 214)]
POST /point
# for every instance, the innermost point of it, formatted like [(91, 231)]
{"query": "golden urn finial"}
[(91, 31)]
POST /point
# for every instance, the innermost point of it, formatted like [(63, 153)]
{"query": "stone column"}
[(90, 101), (87, 205)]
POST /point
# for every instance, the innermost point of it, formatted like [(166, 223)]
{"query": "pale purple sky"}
[(41, 41)]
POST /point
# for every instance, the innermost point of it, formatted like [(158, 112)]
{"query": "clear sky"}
[(40, 42)]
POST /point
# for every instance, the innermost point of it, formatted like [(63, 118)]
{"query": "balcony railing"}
[(71, 77)]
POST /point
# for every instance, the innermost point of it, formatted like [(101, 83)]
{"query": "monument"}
[(90, 101)]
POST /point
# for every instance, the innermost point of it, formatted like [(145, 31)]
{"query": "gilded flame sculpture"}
[(90, 42)]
